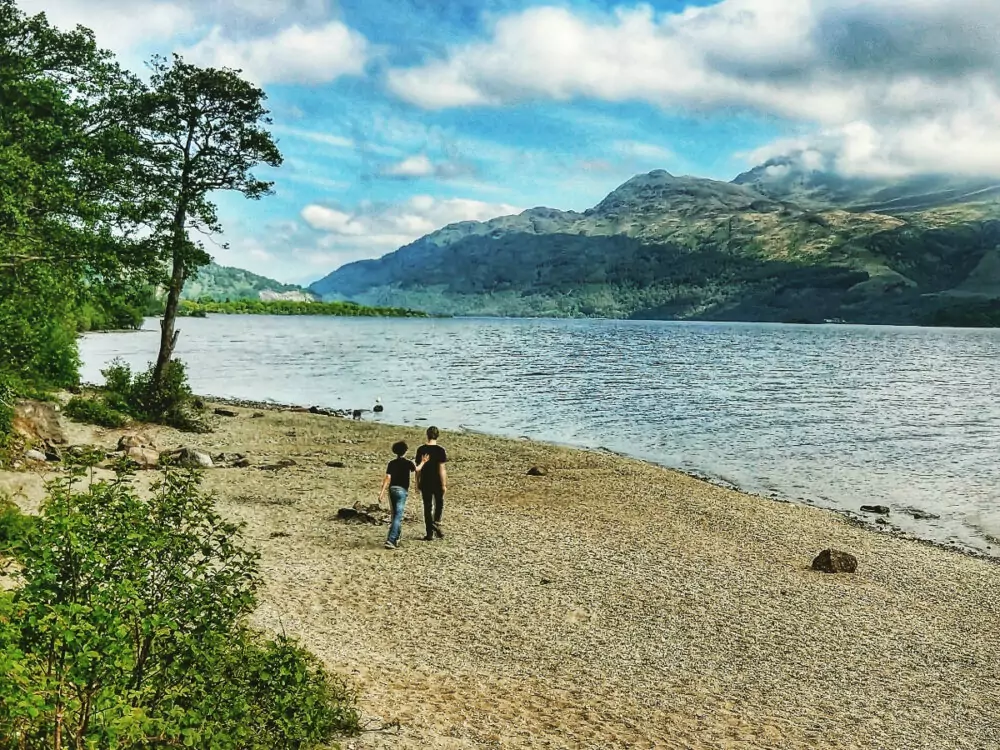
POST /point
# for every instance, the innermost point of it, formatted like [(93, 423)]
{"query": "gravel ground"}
[(609, 604)]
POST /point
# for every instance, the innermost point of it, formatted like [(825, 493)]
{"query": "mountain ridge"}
[(779, 242)]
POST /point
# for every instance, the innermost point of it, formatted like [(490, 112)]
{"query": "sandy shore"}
[(609, 604)]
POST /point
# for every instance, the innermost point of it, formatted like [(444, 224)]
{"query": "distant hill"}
[(778, 243), (220, 283)]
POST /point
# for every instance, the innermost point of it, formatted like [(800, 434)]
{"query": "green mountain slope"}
[(220, 283), (771, 245)]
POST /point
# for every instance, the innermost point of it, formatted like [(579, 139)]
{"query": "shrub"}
[(95, 411), (129, 632), (14, 528), (6, 410), (136, 396)]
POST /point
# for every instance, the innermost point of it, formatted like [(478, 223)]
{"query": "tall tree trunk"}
[(168, 336)]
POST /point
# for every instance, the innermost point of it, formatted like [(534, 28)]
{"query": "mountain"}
[(220, 283), (780, 242)]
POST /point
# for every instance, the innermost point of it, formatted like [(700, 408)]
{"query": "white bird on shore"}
[(378, 406)]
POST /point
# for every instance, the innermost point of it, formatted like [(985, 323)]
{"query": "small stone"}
[(835, 561), (336, 464), (34, 455), (881, 510), (226, 413), (284, 463), (921, 515), (538, 471), (242, 463)]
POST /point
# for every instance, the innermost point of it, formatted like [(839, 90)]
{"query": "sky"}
[(398, 117)]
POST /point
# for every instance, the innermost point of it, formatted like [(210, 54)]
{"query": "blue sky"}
[(397, 117)]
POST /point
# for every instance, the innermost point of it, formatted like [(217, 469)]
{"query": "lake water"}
[(839, 416)]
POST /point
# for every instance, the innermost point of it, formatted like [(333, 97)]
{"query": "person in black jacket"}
[(397, 482), (432, 479)]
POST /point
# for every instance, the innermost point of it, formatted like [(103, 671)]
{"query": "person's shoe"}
[(390, 545), (437, 531), (429, 538)]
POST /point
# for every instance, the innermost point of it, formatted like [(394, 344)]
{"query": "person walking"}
[(432, 479), (397, 482)]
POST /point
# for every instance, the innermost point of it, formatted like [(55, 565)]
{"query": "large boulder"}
[(189, 458), (38, 422), (131, 440), (144, 458), (835, 561)]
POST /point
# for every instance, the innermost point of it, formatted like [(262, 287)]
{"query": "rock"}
[(921, 515), (336, 464), (144, 458), (538, 471), (37, 421), (35, 456), (189, 458), (135, 440), (284, 463), (835, 561), (881, 510), (257, 415), (357, 515), (242, 463), (226, 413)]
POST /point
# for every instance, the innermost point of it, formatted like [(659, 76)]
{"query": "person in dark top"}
[(432, 479), (397, 482)]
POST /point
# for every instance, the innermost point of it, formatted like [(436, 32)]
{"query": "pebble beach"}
[(606, 604)]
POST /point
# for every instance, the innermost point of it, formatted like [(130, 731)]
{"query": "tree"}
[(204, 130), (67, 168)]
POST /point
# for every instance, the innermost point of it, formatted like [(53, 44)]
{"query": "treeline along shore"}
[(599, 603)]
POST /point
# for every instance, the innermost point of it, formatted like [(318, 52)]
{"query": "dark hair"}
[(400, 448), (432, 433)]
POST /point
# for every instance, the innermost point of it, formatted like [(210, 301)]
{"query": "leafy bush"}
[(14, 527), (6, 409), (95, 411), (129, 633), (127, 394)]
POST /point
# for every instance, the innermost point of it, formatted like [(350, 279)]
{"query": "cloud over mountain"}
[(895, 86)]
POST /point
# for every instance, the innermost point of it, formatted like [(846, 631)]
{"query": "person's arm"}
[(444, 478), (385, 486)]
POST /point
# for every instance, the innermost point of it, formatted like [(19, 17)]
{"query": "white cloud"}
[(413, 166), (119, 25), (897, 86), (644, 151), (293, 55), (371, 230)]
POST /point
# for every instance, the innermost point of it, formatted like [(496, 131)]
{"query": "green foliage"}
[(974, 313), (140, 396), (95, 411), (285, 307), (15, 527), (7, 396), (204, 130), (129, 632)]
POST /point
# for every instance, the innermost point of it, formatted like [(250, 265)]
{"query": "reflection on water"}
[(838, 415)]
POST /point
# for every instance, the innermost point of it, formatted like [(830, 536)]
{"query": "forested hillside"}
[(771, 245)]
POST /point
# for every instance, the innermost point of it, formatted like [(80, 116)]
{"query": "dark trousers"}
[(433, 506)]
